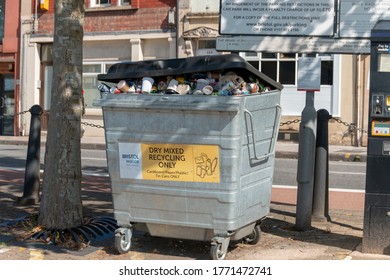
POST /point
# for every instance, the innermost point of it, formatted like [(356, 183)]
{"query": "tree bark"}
[(61, 204)]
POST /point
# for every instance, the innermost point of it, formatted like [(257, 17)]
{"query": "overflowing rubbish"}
[(190, 148), (195, 83)]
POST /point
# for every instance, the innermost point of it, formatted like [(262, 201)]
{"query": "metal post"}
[(321, 175), (306, 156), (32, 173)]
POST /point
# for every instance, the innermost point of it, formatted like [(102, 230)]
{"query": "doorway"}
[(7, 104)]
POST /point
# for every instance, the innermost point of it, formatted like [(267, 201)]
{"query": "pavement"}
[(338, 238)]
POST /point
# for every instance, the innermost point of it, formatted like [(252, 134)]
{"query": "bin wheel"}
[(123, 241), (216, 252), (254, 237)]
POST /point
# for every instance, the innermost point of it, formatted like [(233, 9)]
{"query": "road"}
[(97, 201), (346, 179), (14, 157), (346, 184), (342, 175)]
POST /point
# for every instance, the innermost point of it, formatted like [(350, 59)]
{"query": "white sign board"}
[(270, 17), (309, 74), (130, 160), (358, 17), (292, 44)]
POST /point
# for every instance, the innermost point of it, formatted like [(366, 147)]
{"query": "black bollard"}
[(320, 210), (32, 173)]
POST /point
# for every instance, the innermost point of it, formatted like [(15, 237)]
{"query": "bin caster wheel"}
[(254, 237), (123, 240), (216, 252)]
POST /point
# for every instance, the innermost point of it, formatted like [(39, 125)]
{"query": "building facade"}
[(344, 78), (114, 31), (9, 66), (133, 30)]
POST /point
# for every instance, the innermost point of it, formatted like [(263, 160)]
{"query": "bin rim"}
[(176, 66)]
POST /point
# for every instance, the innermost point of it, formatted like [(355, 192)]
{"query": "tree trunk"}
[(61, 205)]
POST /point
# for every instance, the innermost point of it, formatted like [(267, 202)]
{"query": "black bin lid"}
[(180, 66)]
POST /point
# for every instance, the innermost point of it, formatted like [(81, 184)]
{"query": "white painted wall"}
[(202, 6)]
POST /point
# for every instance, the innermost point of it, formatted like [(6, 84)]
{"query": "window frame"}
[(258, 57), (104, 66), (201, 46), (93, 3)]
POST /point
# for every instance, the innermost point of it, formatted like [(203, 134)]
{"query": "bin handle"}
[(272, 144)]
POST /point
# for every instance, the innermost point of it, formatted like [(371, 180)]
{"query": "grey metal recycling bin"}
[(190, 166)]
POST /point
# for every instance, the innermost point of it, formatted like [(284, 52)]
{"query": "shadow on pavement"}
[(151, 247), (335, 233), (344, 231), (9, 205)]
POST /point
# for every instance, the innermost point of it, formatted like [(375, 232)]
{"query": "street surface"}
[(335, 240), (346, 179), (342, 175)]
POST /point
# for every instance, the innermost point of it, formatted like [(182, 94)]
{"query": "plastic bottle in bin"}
[(104, 90)]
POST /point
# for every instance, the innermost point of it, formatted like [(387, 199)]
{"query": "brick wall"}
[(151, 14)]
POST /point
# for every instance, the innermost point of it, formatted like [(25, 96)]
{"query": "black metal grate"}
[(96, 229)]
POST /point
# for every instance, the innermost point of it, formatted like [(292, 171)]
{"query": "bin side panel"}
[(261, 117), (169, 202), (222, 129), (179, 206), (239, 198)]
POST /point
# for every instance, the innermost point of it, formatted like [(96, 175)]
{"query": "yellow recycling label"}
[(169, 162)]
